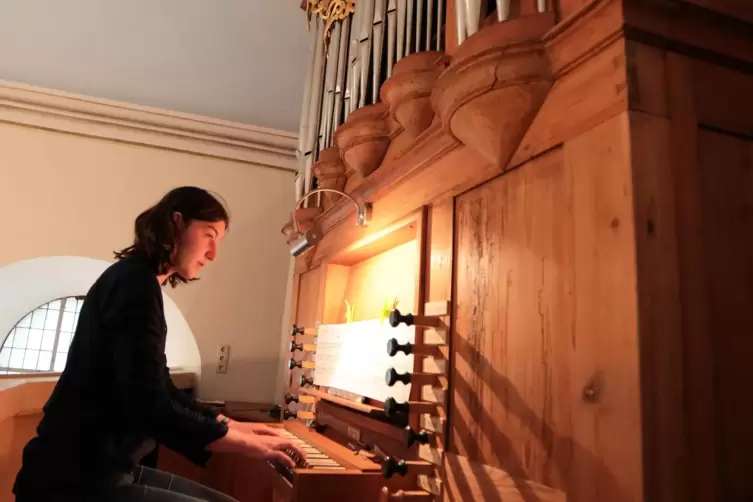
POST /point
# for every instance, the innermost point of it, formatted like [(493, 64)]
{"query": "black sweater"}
[(114, 394)]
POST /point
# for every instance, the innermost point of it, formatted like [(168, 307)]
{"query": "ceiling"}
[(239, 60)]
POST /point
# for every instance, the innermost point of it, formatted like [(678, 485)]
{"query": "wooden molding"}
[(330, 171), (407, 92), (85, 116), (693, 30), (494, 86), (364, 138)]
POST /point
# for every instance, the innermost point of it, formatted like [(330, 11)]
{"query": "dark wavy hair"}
[(157, 234)]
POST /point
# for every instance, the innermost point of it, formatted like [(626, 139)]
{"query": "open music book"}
[(353, 357)]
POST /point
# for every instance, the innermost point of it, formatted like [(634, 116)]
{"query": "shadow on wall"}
[(25, 285)]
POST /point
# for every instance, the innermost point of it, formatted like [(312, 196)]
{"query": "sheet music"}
[(353, 357)]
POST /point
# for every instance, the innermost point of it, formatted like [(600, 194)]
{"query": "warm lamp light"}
[(313, 235)]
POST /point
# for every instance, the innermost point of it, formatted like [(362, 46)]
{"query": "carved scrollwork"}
[(329, 11)]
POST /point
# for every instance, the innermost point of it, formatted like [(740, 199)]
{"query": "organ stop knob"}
[(415, 437), (410, 320), (392, 466), (391, 377), (393, 347), (393, 409)]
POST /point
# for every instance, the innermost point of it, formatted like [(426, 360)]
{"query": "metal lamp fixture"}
[(313, 235)]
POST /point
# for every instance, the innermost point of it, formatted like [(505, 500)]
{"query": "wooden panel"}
[(336, 281), (466, 480), (545, 370), (604, 362), (510, 239), (308, 298), (723, 97), (694, 289), (310, 305), (15, 432), (392, 273), (726, 165), (438, 282), (646, 79), (660, 317)]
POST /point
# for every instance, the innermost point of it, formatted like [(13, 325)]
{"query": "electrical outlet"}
[(223, 357)]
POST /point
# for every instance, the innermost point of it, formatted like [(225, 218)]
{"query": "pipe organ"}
[(546, 301)]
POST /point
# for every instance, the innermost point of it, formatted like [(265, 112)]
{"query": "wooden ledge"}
[(26, 394)]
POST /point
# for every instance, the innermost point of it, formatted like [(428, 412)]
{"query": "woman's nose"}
[(212, 252)]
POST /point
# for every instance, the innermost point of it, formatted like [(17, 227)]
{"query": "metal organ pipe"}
[(380, 15), (350, 74), (503, 10), (315, 103), (342, 58), (460, 20), (364, 48), (301, 188), (402, 11), (391, 35), (328, 102), (472, 14)]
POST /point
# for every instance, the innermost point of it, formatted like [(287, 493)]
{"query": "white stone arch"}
[(27, 284)]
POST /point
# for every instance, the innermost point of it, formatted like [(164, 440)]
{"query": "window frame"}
[(14, 371)]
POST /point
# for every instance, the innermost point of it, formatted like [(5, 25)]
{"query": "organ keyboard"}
[(332, 472)]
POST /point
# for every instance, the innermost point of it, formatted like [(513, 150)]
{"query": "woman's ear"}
[(178, 219)]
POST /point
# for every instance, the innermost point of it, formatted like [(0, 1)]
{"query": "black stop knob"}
[(295, 346), (287, 414), (304, 380), (414, 437), (396, 318), (275, 412), (392, 466), (393, 347), (294, 364), (392, 408), (290, 398), (392, 377), (295, 330)]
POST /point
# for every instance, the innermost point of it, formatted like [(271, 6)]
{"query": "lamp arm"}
[(317, 190)]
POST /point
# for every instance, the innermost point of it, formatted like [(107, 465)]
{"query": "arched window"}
[(39, 342)]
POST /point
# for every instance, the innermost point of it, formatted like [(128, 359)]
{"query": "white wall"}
[(68, 190), (240, 60), (27, 284)]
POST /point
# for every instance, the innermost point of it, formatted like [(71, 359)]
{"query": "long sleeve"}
[(186, 401), (136, 320)]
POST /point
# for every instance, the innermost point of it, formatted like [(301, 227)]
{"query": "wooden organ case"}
[(562, 201)]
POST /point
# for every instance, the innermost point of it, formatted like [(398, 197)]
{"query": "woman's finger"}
[(267, 431), (296, 449), (281, 457)]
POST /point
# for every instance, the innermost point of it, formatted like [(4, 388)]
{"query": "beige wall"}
[(65, 194)]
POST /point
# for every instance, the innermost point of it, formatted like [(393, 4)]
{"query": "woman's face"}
[(197, 247)]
